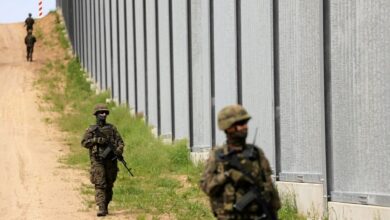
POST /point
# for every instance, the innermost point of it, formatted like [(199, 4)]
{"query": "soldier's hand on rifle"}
[(99, 140), (118, 154), (235, 175)]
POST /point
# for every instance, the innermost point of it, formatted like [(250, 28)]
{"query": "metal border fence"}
[(314, 74)]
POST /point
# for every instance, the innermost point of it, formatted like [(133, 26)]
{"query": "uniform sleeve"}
[(118, 141), (269, 186), (213, 177), (87, 140)]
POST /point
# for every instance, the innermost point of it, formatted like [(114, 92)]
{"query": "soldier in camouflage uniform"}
[(237, 176), (29, 22), (29, 40), (98, 138)]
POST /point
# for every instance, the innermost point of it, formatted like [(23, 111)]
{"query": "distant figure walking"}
[(30, 40), (29, 22)]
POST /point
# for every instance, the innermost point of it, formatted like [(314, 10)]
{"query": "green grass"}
[(60, 28), (38, 33), (289, 209), (165, 181), (41, 37)]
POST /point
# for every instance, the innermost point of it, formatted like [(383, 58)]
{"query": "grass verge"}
[(289, 210)]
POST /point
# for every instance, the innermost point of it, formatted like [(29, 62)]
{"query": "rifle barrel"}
[(125, 165)]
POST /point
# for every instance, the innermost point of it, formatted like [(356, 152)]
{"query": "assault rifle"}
[(110, 150), (255, 193)]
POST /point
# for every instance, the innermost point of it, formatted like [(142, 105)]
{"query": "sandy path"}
[(32, 184)]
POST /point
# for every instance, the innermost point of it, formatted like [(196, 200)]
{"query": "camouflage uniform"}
[(30, 40), (29, 22), (230, 174), (103, 171)]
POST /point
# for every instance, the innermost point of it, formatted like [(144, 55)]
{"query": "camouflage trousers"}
[(30, 50), (103, 176)]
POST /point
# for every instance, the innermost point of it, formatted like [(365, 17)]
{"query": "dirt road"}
[(32, 183)]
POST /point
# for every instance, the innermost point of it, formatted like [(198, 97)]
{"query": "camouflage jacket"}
[(29, 22), (109, 132), (225, 181), (30, 40)]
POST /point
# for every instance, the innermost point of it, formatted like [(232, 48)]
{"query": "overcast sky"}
[(12, 11)]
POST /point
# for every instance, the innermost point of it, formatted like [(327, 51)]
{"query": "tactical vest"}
[(106, 131), (248, 163)]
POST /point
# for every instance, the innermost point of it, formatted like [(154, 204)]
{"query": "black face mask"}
[(101, 119), (237, 138)]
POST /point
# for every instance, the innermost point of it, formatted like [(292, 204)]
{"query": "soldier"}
[(30, 40), (237, 176), (98, 139), (29, 22)]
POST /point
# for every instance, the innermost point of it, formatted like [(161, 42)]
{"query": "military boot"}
[(106, 204), (102, 211)]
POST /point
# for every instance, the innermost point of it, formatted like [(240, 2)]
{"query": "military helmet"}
[(29, 14), (101, 108), (230, 115)]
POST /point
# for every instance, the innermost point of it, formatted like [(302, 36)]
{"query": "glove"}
[(118, 154), (99, 140), (235, 175)]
